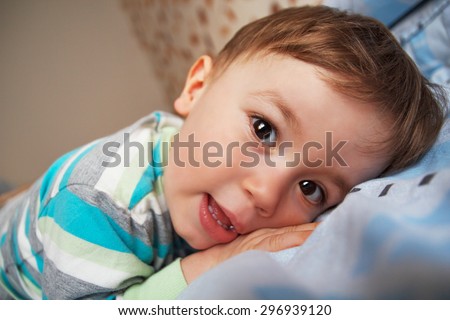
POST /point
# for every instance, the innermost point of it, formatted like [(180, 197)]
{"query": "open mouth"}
[(219, 216), (215, 221)]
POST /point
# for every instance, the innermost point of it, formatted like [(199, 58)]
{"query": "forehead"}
[(300, 90), (309, 106)]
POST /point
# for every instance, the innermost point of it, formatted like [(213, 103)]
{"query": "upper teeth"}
[(220, 223)]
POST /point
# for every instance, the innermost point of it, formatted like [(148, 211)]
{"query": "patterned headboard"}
[(175, 33)]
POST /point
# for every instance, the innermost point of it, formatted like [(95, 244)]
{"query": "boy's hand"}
[(264, 239)]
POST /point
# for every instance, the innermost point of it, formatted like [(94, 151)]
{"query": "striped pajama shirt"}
[(96, 222)]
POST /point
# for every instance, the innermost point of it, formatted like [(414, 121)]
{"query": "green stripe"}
[(85, 250), (131, 176), (32, 287)]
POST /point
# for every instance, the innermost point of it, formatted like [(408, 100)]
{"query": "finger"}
[(307, 226), (301, 227), (282, 241), (254, 239), (296, 228)]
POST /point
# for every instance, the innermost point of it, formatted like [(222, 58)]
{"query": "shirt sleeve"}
[(166, 284), (88, 253)]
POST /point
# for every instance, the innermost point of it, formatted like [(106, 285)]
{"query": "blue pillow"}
[(387, 11)]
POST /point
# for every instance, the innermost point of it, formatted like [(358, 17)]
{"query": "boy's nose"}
[(265, 190)]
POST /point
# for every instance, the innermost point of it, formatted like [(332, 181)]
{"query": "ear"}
[(194, 86)]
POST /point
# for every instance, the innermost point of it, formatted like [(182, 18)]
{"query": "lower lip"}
[(215, 232)]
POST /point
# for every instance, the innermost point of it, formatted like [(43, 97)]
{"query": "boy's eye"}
[(264, 131), (312, 191)]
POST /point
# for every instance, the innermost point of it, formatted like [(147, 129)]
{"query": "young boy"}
[(295, 110)]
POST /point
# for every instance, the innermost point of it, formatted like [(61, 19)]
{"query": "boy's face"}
[(226, 178)]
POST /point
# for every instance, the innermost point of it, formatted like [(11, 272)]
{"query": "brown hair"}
[(363, 60)]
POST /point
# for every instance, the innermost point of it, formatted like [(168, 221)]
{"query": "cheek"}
[(297, 211), (361, 168)]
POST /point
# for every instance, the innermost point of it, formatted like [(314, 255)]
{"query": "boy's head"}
[(295, 110), (361, 58)]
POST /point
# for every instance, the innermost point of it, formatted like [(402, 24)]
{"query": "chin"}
[(192, 239), (199, 245)]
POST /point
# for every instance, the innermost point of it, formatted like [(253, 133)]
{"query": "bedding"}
[(390, 238)]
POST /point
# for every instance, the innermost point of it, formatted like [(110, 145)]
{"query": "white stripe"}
[(110, 178), (26, 254), (22, 239), (157, 262), (141, 211), (161, 199), (38, 209), (155, 204), (3, 286), (66, 166), (82, 269), (24, 243), (26, 251)]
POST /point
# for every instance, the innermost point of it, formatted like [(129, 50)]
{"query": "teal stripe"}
[(162, 250), (69, 170), (158, 117), (144, 187), (39, 261), (38, 258), (157, 159), (9, 287), (27, 223), (51, 174), (20, 263), (91, 224)]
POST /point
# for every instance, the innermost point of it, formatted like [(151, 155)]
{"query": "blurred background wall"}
[(70, 71), (174, 33), (75, 70)]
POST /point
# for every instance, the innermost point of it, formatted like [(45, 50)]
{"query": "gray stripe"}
[(58, 285), (120, 215), (89, 169), (17, 207)]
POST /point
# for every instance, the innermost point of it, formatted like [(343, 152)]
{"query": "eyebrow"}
[(275, 99), (343, 186)]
